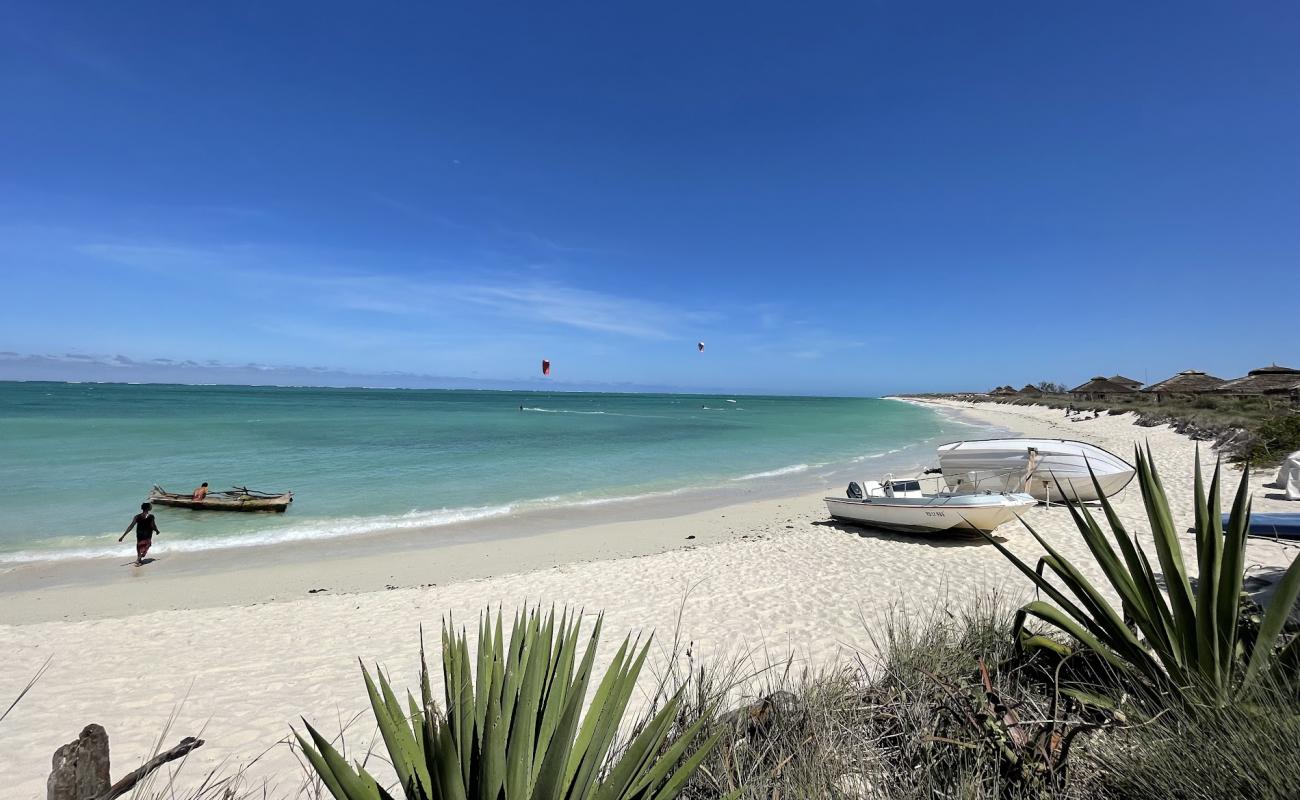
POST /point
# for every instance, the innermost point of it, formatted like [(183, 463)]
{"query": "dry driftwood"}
[(188, 744), (81, 768)]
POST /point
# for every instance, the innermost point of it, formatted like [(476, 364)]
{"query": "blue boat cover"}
[(1284, 526)]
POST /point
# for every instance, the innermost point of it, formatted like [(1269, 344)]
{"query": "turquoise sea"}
[(77, 459)]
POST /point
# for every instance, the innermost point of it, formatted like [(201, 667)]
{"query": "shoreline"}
[(530, 538), (765, 580), (88, 589), (372, 465)]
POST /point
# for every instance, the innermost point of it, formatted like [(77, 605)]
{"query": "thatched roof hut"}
[(1003, 391), (1030, 390), (1126, 381), (1100, 388), (1270, 380), (1189, 381)]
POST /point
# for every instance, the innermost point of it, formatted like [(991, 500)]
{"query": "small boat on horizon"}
[(239, 498), (1034, 466), (900, 505)]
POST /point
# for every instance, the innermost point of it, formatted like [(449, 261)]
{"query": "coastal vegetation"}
[(1189, 689), (1169, 637), (1274, 439), (510, 725), (952, 706), (1256, 430), (947, 704)]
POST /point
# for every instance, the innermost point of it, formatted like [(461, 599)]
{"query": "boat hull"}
[(1000, 465), (1274, 526), (934, 514), (278, 503)]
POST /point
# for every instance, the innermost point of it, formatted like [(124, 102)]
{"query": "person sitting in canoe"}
[(201, 492), (145, 527)]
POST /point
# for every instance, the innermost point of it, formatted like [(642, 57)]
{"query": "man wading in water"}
[(145, 528)]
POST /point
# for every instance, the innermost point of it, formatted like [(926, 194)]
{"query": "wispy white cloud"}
[(574, 307), (347, 339), (496, 232), (545, 243), (26, 367), (505, 295), (416, 213), (509, 297), (155, 256)]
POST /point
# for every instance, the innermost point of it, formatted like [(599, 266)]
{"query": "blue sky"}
[(837, 197)]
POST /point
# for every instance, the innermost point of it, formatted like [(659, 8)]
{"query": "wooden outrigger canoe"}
[(237, 499)]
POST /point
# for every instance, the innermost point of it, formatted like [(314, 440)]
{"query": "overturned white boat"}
[(1035, 466), (900, 505)]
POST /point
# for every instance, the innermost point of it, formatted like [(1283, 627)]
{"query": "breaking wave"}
[(774, 473)]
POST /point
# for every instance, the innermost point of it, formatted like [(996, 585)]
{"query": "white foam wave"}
[(332, 529), (627, 498), (860, 459), (300, 532), (773, 473), (591, 413), (953, 415)]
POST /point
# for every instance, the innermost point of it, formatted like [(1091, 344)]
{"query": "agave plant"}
[(1181, 640), (512, 731)]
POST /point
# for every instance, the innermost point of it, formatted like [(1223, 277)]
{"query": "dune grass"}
[(925, 715), (1205, 753), (921, 714)]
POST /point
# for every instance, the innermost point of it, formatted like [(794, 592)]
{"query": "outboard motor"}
[(855, 491)]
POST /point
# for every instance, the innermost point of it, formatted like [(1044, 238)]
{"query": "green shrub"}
[(512, 731), (1240, 752), (1274, 439), (1190, 643), (947, 706)]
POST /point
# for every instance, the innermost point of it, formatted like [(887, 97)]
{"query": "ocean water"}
[(77, 459)]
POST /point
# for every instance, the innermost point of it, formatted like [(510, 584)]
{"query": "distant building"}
[(1100, 388), (1187, 382), (1030, 390), (1126, 381), (1270, 381), (1003, 391)]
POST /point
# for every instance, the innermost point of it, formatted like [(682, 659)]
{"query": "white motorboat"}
[(1034, 466), (900, 505)]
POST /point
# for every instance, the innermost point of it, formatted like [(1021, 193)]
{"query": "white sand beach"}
[(243, 649)]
